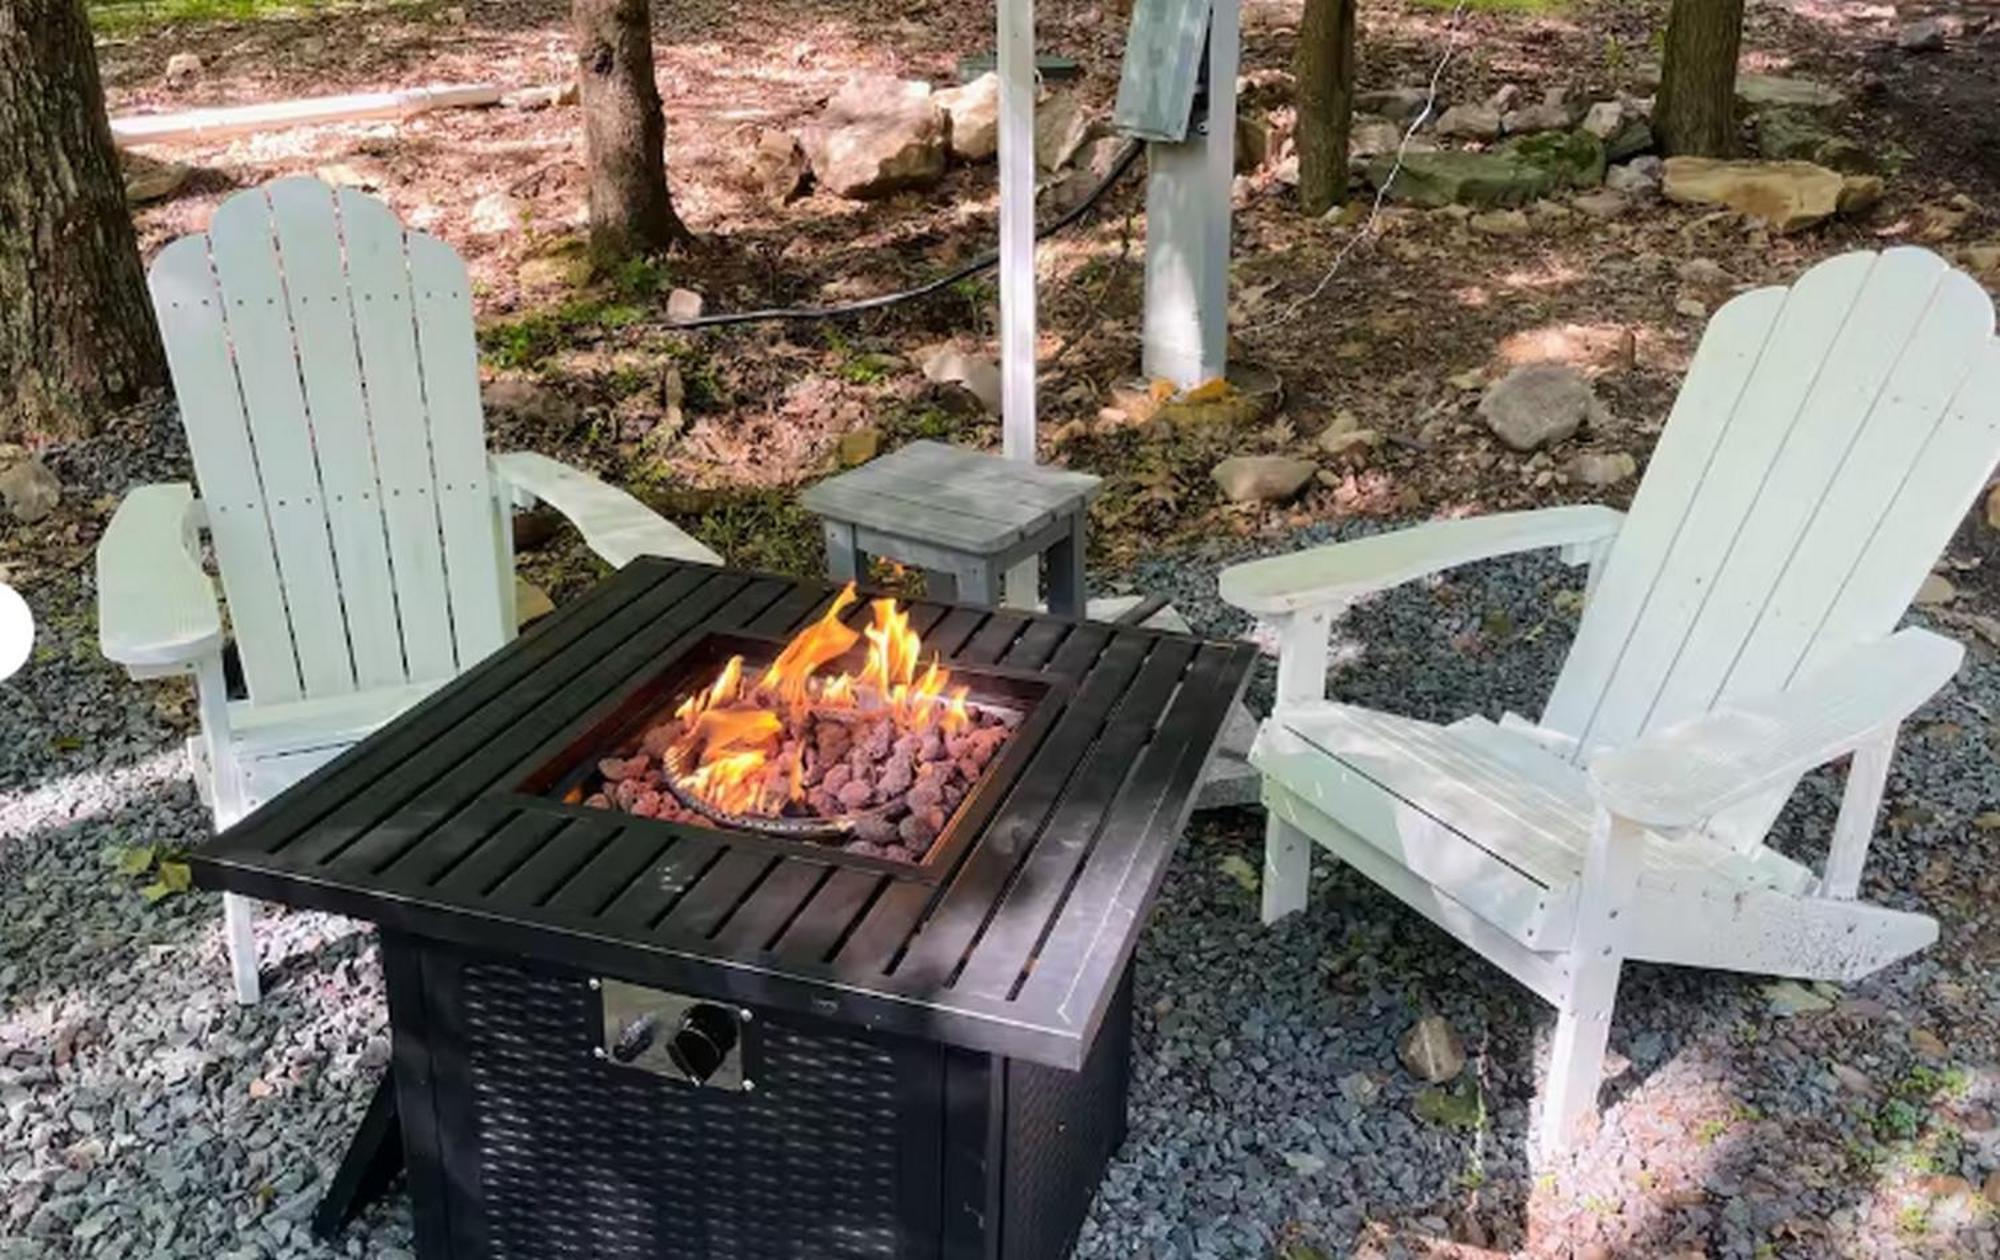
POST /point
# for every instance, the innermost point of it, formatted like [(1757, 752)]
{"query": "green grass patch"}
[(525, 343), (760, 527), (123, 17)]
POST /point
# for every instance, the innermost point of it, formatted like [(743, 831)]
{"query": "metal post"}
[(1186, 334), (1017, 251)]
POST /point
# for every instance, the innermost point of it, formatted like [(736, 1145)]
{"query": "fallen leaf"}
[(1241, 871)]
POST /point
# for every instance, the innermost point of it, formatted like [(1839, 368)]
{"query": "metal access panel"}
[(1162, 71)]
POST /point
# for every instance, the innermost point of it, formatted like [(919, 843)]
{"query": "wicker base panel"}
[(525, 1143)]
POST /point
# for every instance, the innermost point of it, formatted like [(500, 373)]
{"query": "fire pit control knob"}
[(702, 1043), (636, 1038)]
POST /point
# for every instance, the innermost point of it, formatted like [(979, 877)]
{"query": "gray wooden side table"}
[(964, 517)]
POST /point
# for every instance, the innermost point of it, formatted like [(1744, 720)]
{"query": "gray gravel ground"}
[(143, 1114)]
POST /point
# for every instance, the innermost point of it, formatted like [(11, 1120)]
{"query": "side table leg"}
[(374, 1157), (1067, 597), (979, 584), (940, 586), (843, 558)]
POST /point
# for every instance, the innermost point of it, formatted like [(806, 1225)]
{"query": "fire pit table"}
[(865, 994)]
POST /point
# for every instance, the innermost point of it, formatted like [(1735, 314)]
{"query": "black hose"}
[(1126, 156)]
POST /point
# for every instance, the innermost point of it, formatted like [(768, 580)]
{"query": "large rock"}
[(1263, 478), (28, 488), (183, 68), (1634, 138), (974, 110), (878, 136), (1573, 159), (1604, 119), (1371, 137), (1637, 179), (1445, 178), (1469, 122), (1787, 196), (1538, 404), (1922, 36)]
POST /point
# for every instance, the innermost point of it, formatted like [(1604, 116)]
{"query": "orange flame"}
[(730, 732)]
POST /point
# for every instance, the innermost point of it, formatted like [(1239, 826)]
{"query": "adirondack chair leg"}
[(1287, 868), (1859, 803), (1590, 988), (239, 916)]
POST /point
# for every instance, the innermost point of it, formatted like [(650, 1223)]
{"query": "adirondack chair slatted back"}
[(327, 376), (1825, 446)]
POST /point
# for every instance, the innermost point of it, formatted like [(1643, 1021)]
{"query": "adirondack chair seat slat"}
[(1738, 631), (1448, 803), (324, 362)]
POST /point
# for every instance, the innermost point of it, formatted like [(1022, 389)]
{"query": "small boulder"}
[(1926, 35), (1263, 478), (1634, 138), (1758, 90), (149, 179), (531, 603), (1345, 437), (1552, 114), (1634, 179), (1858, 194), (1398, 105), (1936, 591), (527, 402), (858, 446), (1602, 204), (1573, 159), (974, 110), (1602, 470), (1370, 137), (947, 365), (684, 305), (494, 214), (1499, 223), (1063, 125), (183, 68), (1469, 122), (29, 489), (1445, 177), (1604, 119), (1539, 404), (1431, 1050), (777, 168), (876, 137), (1786, 196)]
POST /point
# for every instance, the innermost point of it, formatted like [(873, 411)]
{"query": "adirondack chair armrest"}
[(1335, 574), (1690, 771), (156, 609), (616, 526)]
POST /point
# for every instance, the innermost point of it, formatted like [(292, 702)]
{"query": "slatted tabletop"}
[(1016, 948)]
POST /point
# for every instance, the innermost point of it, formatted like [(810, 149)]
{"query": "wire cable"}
[(985, 262)]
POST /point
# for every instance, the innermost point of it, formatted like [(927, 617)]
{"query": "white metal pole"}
[(1017, 251)]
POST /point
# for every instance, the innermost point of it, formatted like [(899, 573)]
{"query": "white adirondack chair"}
[(325, 366), (1740, 629)]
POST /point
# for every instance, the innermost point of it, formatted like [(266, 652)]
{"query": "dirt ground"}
[(1404, 339)]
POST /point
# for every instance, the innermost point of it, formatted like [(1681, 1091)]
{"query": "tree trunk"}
[(76, 328), (1696, 109), (624, 131), (1325, 71)]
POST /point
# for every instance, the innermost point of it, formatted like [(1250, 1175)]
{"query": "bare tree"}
[(1324, 65), (1696, 109), (76, 329), (624, 130)]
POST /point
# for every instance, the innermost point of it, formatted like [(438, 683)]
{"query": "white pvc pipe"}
[(210, 124), (1017, 251)]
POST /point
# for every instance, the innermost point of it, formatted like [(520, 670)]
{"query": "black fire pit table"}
[(625, 1036)]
